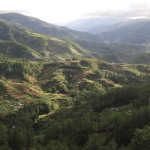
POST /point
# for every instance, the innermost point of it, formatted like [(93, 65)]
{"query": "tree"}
[(141, 139), (3, 134)]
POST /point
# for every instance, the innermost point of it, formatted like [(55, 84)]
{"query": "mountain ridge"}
[(42, 45), (43, 27), (94, 25), (60, 43)]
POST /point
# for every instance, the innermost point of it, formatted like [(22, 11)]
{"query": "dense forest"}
[(57, 95)]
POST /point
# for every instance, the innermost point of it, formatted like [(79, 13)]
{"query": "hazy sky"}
[(54, 11)]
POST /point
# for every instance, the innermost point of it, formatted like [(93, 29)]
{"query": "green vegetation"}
[(16, 50), (76, 104), (55, 96), (117, 51), (51, 41), (22, 43), (39, 26)]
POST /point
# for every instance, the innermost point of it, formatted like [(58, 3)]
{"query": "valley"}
[(62, 89)]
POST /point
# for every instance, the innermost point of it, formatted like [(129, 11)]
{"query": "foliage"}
[(78, 104)]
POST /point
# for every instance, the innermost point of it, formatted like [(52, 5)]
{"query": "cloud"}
[(140, 5), (121, 13), (15, 11), (133, 10)]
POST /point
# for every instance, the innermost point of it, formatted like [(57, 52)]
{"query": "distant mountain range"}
[(135, 31), (125, 41), (94, 25), (128, 35)]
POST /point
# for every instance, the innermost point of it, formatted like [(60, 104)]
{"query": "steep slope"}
[(42, 46), (44, 27), (5, 31), (15, 50)]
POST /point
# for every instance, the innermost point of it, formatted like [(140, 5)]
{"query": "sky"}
[(62, 11)]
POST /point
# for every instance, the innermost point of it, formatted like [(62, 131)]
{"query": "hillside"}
[(16, 50), (20, 79), (43, 104), (54, 48), (44, 27), (142, 58), (115, 51), (21, 43)]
